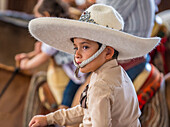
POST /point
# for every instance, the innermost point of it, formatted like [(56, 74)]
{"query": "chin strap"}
[(85, 62)]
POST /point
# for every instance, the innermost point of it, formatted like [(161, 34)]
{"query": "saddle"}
[(159, 54), (45, 92), (150, 85), (150, 89), (51, 91)]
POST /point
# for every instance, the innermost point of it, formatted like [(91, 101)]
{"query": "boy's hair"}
[(55, 8), (116, 53)]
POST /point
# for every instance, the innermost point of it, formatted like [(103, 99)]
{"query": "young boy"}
[(109, 99)]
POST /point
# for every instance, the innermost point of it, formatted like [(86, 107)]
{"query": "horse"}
[(13, 98), (17, 102)]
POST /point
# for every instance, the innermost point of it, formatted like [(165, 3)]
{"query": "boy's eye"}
[(85, 47), (75, 48)]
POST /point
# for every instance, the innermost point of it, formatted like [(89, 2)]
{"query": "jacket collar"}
[(110, 64)]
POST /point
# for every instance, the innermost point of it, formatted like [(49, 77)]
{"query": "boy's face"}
[(84, 49)]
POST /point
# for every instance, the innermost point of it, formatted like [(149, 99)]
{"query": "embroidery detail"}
[(86, 17)]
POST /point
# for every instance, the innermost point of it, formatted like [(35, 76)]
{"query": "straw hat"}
[(101, 23)]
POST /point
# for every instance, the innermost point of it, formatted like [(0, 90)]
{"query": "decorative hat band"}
[(86, 17)]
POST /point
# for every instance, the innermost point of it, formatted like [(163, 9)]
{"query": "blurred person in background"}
[(139, 20), (43, 52)]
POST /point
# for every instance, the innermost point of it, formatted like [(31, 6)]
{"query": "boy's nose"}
[(77, 54)]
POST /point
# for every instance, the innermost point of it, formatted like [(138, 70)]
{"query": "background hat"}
[(101, 23)]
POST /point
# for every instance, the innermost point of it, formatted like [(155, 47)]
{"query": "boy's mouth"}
[(78, 62)]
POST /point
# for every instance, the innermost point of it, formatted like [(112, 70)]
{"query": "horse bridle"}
[(9, 81)]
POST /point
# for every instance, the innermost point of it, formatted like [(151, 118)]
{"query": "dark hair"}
[(100, 45), (116, 53), (55, 8)]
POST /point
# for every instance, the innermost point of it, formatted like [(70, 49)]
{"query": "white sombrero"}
[(99, 23)]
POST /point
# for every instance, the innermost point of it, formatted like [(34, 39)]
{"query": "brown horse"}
[(13, 99), (20, 101)]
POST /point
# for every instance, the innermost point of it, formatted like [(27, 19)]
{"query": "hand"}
[(38, 121), (21, 56), (24, 64), (37, 47)]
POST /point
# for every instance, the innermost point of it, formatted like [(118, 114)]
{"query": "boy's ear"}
[(110, 52)]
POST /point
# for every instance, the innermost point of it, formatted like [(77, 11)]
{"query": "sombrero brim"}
[(57, 32)]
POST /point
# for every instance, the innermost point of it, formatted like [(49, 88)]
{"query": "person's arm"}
[(36, 61), (40, 58), (29, 55), (37, 49)]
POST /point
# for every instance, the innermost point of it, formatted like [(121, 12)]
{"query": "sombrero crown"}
[(99, 23)]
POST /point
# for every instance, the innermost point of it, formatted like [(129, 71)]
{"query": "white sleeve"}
[(48, 49)]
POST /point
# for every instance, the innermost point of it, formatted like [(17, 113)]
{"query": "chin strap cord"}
[(76, 73), (85, 62)]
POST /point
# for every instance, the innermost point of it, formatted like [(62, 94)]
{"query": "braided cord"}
[(85, 62)]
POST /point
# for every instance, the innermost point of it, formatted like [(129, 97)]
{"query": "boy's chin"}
[(83, 70)]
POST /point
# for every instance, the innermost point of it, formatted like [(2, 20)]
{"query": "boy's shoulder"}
[(111, 77)]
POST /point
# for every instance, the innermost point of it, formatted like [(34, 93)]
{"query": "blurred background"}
[(14, 35), (15, 38)]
